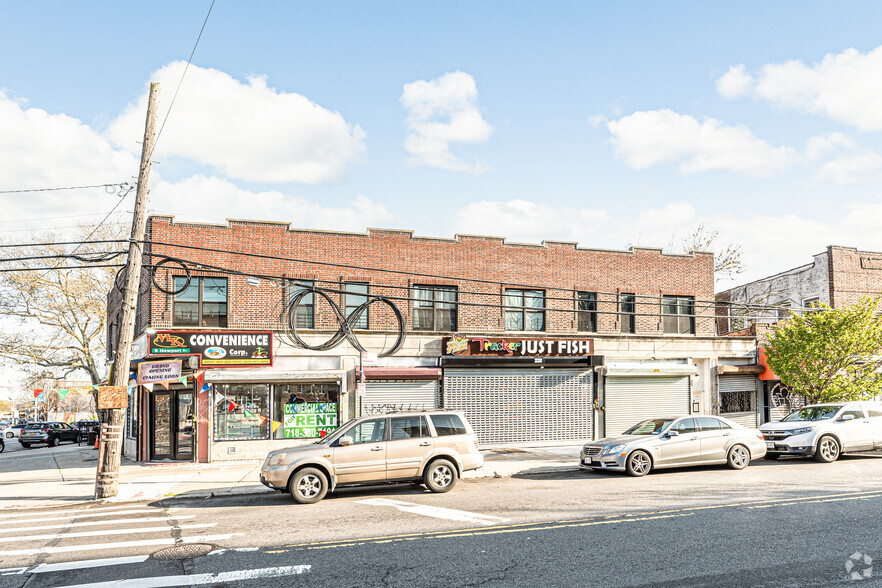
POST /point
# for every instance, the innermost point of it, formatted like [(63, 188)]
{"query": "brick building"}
[(549, 342)]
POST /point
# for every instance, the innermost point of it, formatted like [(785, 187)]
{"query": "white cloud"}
[(248, 131), (842, 161), (211, 199), (846, 87), (441, 112), (735, 82), (647, 138)]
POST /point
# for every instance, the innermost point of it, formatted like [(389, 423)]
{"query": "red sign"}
[(516, 347)]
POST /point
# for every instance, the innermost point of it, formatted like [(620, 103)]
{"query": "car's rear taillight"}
[(45, 430)]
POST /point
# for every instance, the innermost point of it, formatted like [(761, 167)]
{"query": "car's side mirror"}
[(673, 433), (345, 440), (847, 417)]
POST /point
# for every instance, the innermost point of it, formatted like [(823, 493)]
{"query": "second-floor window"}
[(202, 304), (434, 308), (356, 295), (524, 310), (627, 312), (587, 312), (678, 314), (304, 315)]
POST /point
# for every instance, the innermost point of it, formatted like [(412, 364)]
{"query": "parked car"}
[(675, 442), (2, 445), (12, 431), (51, 433), (826, 431), (434, 447)]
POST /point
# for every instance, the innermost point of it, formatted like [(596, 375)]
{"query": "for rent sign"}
[(516, 347), (308, 420)]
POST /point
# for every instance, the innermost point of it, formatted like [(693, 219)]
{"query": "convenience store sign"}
[(308, 420)]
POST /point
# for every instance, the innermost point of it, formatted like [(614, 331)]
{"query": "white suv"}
[(826, 431)]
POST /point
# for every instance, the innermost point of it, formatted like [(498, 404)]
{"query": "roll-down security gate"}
[(510, 405), (630, 400), (382, 396)]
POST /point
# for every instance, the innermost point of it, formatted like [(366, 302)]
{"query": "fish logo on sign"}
[(457, 344)]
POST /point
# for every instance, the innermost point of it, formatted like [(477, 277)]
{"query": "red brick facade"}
[(853, 274), (558, 268)]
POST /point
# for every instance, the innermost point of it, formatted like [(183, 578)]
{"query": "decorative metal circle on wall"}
[(346, 323)]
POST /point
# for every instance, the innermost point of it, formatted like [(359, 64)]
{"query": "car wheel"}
[(2, 445), (440, 476), (308, 486), (54, 441), (773, 456), (738, 457), (10, 435), (26, 445), (639, 463), (828, 449)]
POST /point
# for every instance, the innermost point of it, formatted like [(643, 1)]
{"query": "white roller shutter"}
[(518, 405), (633, 399), (382, 396), (743, 385)]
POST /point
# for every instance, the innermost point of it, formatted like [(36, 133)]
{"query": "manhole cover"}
[(181, 552)]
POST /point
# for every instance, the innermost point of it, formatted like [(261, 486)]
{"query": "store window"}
[(132, 413), (238, 409), (354, 295), (305, 410), (202, 304), (524, 310), (627, 312), (434, 308), (678, 314), (739, 401), (587, 316), (304, 315)]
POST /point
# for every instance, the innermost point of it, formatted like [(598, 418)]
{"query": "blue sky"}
[(604, 123)]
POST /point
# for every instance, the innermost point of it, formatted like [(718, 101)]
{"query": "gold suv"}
[(435, 447)]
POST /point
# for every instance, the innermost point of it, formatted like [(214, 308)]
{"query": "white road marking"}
[(93, 523), (437, 512), (198, 579), (24, 538), (86, 515), (119, 545), (31, 513), (87, 563)]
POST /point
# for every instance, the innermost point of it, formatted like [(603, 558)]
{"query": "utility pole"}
[(107, 477)]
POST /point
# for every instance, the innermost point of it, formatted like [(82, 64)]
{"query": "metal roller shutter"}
[(382, 396), (633, 399), (516, 405), (743, 385)]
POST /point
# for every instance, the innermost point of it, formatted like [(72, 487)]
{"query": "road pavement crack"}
[(499, 576), (58, 467)]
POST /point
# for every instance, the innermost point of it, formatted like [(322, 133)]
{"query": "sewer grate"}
[(184, 551)]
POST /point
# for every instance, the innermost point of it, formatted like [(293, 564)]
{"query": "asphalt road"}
[(793, 523)]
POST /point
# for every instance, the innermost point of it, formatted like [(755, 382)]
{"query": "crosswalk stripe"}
[(88, 563), (119, 545), (86, 515), (437, 512), (198, 579), (103, 532), (93, 523), (31, 513)]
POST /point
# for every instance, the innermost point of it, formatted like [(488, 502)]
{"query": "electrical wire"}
[(117, 186)]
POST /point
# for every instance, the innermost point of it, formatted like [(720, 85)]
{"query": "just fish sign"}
[(215, 348), (515, 347)]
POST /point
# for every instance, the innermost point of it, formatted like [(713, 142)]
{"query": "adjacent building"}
[(270, 336)]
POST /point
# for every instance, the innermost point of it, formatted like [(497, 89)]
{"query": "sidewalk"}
[(65, 475)]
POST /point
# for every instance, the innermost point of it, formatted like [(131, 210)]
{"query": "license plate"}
[(770, 445), (587, 461)]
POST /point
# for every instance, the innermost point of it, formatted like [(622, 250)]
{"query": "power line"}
[(117, 186), (45, 218), (181, 81)]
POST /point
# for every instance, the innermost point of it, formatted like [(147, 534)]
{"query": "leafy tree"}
[(830, 355), (54, 319)]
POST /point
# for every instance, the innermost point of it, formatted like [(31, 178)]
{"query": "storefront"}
[(395, 389), (634, 391), (737, 393), (522, 390)]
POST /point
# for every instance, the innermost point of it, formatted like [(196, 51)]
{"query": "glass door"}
[(161, 426), (184, 421)]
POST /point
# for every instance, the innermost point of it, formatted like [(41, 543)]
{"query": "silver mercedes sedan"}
[(675, 442)]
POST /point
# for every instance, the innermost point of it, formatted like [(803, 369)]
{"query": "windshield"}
[(813, 413), (36, 426), (648, 427)]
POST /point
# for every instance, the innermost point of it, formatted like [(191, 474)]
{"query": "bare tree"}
[(728, 260), (55, 318)]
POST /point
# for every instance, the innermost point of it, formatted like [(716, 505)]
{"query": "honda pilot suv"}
[(826, 431), (432, 447)]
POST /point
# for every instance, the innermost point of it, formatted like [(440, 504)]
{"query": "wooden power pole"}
[(107, 477)]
